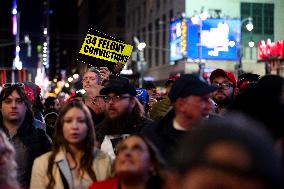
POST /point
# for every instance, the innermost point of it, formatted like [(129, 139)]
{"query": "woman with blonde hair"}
[(74, 161), (8, 171)]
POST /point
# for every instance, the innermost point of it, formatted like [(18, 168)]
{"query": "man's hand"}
[(104, 71)]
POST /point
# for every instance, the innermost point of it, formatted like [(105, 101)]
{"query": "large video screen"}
[(218, 39), (177, 40)]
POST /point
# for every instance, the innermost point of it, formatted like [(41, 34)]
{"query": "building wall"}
[(149, 20), (278, 20), (144, 13), (231, 9)]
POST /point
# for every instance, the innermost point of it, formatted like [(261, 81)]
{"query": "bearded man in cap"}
[(190, 97), (227, 89), (124, 114)]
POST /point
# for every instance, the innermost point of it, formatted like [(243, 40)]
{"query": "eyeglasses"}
[(97, 98), (224, 86), (8, 85), (115, 98)]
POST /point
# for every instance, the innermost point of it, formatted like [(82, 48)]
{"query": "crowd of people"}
[(224, 132)]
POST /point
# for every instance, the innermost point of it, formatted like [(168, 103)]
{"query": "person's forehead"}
[(14, 94), (134, 140), (113, 94), (221, 79), (74, 111), (198, 96), (90, 74)]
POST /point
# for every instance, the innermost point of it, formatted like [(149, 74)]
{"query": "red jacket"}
[(106, 184)]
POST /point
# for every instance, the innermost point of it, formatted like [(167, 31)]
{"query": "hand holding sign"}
[(104, 74), (101, 50)]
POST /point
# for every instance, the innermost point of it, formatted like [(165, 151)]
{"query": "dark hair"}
[(6, 92), (235, 129), (49, 101), (156, 178), (88, 143), (8, 165), (150, 85), (262, 101)]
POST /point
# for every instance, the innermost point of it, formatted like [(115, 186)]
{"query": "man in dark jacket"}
[(124, 114), (190, 96), (16, 120)]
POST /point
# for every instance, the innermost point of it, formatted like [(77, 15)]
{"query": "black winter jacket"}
[(165, 137)]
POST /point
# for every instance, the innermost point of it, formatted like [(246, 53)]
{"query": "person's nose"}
[(128, 152), (75, 125), (111, 100), (14, 104)]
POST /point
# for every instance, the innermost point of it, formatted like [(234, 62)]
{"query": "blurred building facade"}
[(149, 20)]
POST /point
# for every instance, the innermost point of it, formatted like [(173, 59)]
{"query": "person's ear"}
[(133, 102), (180, 104)]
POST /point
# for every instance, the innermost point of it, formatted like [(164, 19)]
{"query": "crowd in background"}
[(226, 132)]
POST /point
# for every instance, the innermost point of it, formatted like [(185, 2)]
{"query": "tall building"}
[(267, 20), (149, 20)]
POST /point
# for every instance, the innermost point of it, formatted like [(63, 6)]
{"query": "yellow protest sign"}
[(106, 49)]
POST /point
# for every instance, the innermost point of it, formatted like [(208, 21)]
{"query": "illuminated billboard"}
[(219, 39), (178, 40)]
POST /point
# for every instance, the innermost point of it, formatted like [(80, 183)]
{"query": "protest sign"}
[(99, 50)]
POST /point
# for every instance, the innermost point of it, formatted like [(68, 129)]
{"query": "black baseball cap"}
[(118, 85), (190, 84)]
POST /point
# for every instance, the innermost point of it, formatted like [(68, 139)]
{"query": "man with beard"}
[(124, 114), (227, 84), (16, 120)]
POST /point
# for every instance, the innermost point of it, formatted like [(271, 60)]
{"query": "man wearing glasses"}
[(124, 114), (16, 121), (227, 84)]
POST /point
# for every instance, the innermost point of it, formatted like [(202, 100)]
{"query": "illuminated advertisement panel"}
[(178, 37), (219, 39)]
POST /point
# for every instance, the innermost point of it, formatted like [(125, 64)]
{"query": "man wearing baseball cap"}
[(124, 114), (190, 97), (227, 88)]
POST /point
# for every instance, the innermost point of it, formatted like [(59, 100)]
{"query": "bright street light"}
[(251, 44), (70, 79), (249, 25), (76, 76), (141, 46)]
